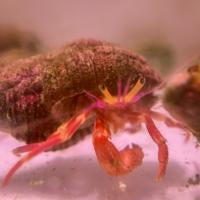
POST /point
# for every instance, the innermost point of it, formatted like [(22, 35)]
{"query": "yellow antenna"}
[(107, 96), (135, 89)]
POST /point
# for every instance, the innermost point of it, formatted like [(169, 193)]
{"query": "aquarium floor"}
[(75, 174)]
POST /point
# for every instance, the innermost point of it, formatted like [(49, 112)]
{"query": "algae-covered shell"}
[(182, 98), (38, 93)]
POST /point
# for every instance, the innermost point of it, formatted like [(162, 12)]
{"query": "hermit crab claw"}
[(132, 156), (113, 161)]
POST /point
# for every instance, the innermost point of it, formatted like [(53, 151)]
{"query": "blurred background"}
[(166, 32)]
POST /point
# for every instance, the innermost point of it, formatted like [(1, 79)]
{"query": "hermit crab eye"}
[(142, 79)]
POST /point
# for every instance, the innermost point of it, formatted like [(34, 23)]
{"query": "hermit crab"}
[(50, 101)]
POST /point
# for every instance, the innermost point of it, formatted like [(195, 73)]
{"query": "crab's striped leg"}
[(113, 161), (62, 134), (162, 147)]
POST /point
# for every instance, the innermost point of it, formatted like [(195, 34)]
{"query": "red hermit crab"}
[(48, 99)]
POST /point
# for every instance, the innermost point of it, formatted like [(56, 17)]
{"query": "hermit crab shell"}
[(38, 93)]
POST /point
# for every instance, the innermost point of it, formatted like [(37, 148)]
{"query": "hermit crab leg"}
[(62, 134), (26, 148), (162, 147), (171, 123), (114, 162)]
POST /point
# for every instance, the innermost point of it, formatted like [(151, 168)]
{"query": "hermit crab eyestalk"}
[(141, 78)]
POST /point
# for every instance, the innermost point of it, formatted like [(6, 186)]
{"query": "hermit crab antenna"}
[(126, 88), (126, 96), (139, 96), (119, 89), (135, 90), (91, 96), (108, 98)]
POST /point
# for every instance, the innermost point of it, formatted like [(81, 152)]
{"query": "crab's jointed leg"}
[(113, 161), (162, 147), (26, 148), (171, 123), (62, 134)]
